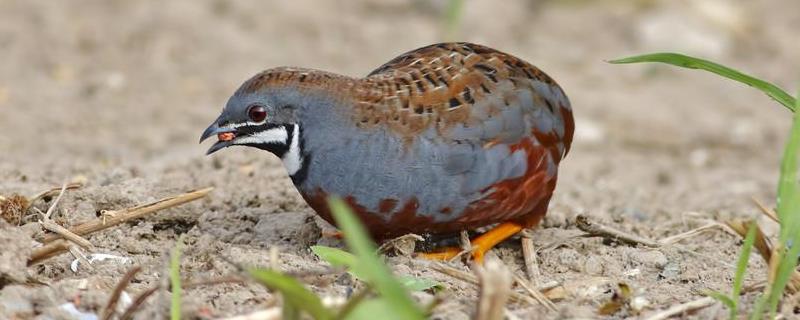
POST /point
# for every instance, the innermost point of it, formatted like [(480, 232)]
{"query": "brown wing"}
[(466, 92)]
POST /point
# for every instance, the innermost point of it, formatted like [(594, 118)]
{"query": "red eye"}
[(257, 113)]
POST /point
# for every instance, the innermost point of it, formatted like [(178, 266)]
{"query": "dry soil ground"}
[(116, 93)]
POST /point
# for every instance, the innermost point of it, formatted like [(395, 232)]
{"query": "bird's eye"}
[(257, 113)]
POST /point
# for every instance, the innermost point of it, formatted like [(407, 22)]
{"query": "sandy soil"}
[(116, 93)]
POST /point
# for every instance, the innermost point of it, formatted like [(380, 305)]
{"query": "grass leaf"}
[(295, 295), (684, 61), (370, 309), (788, 214), (340, 258), (399, 301), (741, 268), (336, 257), (419, 284), (726, 300), (175, 279)]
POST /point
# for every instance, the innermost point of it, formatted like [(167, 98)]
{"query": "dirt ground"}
[(116, 94)]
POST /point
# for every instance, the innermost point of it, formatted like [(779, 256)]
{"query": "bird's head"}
[(262, 115), (258, 119), (268, 110)]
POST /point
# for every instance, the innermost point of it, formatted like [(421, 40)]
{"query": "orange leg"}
[(480, 245)]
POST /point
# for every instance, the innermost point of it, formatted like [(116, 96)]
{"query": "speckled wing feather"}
[(466, 92), (505, 123)]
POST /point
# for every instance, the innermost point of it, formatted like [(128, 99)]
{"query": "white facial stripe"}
[(244, 124), (274, 135), (292, 159)]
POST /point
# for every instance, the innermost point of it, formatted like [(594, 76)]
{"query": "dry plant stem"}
[(468, 278), (495, 284), (767, 252), (78, 254), (596, 229), (108, 311), (55, 203), (766, 210), (762, 243), (683, 308), (64, 232), (137, 303), (691, 233), (124, 215), (535, 293), (600, 230), (47, 251), (531, 262), (55, 245), (50, 192)]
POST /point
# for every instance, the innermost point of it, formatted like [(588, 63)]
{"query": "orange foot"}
[(480, 245)]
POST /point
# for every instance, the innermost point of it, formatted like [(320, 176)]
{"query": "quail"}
[(441, 139)]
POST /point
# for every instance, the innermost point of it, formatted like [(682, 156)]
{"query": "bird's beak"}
[(224, 135)]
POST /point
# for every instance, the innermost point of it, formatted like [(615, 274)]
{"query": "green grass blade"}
[(337, 258), (788, 214), (340, 258), (400, 302), (741, 268), (368, 310), (419, 284), (721, 297), (295, 295), (684, 61), (175, 279)]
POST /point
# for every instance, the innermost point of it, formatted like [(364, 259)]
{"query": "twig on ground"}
[(535, 293), (111, 306), (466, 246), (48, 224), (469, 278), (600, 230), (767, 252), (683, 308), (55, 203), (595, 229), (51, 226), (531, 261), (54, 244), (121, 216), (137, 303), (495, 288), (53, 191), (78, 254), (766, 210), (691, 233), (762, 242)]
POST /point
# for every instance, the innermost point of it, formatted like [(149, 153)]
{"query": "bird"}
[(442, 139)]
